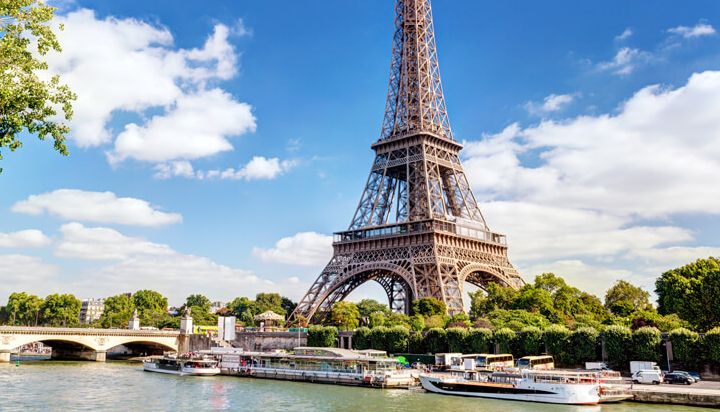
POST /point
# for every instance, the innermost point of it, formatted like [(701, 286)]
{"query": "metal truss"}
[(418, 230)]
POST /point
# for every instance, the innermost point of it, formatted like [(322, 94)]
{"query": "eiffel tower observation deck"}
[(418, 230)]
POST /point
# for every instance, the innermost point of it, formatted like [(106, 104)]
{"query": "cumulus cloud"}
[(698, 30), (100, 243), (99, 207), (594, 279), (303, 249), (625, 61), (258, 168), (26, 273), (133, 66), (604, 190), (551, 103), (24, 238), (626, 34)]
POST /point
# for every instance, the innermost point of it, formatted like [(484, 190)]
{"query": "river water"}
[(120, 386)]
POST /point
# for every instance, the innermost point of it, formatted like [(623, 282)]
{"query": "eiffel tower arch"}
[(418, 230)]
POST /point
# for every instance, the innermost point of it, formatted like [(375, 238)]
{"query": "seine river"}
[(119, 386)]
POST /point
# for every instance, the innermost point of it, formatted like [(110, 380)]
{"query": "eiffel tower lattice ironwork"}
[(418, 230)]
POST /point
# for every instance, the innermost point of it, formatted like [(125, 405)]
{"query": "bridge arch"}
[(398, 283)]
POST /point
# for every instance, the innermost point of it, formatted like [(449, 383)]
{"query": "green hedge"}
[(685, 345), (529, 342), (504, 338), (711, 345), (456, 338), (479, 341), (617, 344), (646, 344), (322, 336), (396, 339), (436, 340), (361, 338), (378, 337), (583, 345), (556, 343), (417, 343)]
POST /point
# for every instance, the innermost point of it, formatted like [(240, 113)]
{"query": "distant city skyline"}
[(216, 148)]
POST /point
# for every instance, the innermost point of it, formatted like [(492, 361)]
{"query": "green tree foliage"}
[(685, 346), (461, 320), (322, 336), (377, 338), (244, 310), (118, 310), (345, 315), (479, 341), (269, 301), (397, 319), (287, 305), (529, 341), (60, 310), (396, 339), (435, 321), (361, 338), (199, 301), (583, 345), (535, 300), (646, 344), (436, 341), (376, 319), (369, 306), (624, 298), (557, 339), (477, 304), (428, 307), (504, 339), (711, 345), (617, 345), (23, 309), (692, 292), (27, 102), (417, 323), (456, 339), (498, 297), (516, 319), (416, 343), (151, 307)]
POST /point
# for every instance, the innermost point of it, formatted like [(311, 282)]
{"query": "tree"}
[(345, 315), (624, 298), (244, 310), (151, 307), (376, 319), (27, 102), (23, 309), (287, 305), (429, 307), (477, 304), (269, 301), (60, 310), (118, 310), (369, 306), (692, 292), (646, 344), (199, 301)]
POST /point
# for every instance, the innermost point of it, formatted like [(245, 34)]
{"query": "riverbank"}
[(704, 394)]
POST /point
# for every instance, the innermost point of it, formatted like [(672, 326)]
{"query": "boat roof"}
[(307, 352)]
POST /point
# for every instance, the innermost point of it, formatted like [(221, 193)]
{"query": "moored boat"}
[(195, 366), (559, 387)]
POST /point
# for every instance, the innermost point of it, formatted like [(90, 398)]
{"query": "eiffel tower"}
[(418, 230)]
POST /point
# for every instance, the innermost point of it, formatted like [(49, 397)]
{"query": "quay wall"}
[(194, 343), (267, 341), (688, 398)]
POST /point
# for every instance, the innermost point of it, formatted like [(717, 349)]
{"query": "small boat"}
[(559, 387), (194, 366)]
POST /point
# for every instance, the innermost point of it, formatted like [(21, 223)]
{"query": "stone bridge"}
[(86, 343)]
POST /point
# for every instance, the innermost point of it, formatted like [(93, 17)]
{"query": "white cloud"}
[(26, 273), (303, 249), (197, 126), (699, 30), (589, 278), (627, 33), (99, 207), (258, 168), (24, 238), (551, 103), (133, 66), (100, 243), (626, 60)]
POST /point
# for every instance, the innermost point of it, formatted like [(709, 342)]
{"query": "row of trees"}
[(25, 309), (569, 348)]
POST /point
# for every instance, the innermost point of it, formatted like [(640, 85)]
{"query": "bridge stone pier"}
[(88, 344)]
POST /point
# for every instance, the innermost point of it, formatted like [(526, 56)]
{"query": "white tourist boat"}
[(202, 366), (571, 388)]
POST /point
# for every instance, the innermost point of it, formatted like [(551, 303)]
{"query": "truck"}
[(595, 366), (636, 366)]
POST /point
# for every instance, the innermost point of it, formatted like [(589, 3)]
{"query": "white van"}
[(648, 376)]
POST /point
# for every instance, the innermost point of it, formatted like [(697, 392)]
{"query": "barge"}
[(321, 365)]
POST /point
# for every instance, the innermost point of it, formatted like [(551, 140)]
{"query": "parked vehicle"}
[(536, 362), (650, 376), (596, 366), (679, 378), (636, 366), (694, 375)]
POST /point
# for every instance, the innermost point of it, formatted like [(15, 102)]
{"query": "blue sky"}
[(216, 147)]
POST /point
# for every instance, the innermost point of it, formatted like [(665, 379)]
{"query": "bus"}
[(536, 362), (492, 361)]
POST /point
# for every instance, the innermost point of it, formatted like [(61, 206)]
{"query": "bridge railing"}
[(36, 330)]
